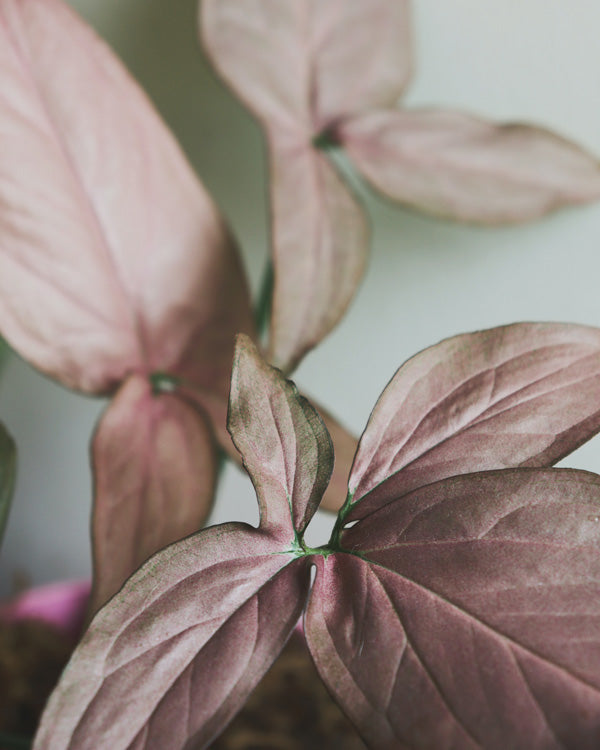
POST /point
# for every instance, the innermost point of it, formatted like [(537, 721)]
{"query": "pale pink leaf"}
[(154, 466), (521, 395), (174, 654), (468, 615), (456, 165), (303, 64), (112, 256), (320, 247), (282, 440)]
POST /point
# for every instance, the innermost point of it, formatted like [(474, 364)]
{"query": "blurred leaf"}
[(8, 470), (4, 353)]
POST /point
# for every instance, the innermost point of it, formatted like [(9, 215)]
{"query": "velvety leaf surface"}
[(154, 476), (8, 468), (112, 256), (344, 444), (520, 395), (175, 653), (456, 165), (283, 442), (472, 619), (301, 64), (320, 247)]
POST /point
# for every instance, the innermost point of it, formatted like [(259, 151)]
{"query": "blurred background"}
[(529, 60)]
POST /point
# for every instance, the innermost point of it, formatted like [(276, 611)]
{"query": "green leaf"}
[(4, 352), (8, 470)]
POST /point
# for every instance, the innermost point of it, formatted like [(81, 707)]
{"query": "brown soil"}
[(289, 710), (32, 656)]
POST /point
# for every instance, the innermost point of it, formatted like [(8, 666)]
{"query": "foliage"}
[(461, 610), (456, 603)]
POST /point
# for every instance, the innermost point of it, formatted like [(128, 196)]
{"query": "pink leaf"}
[(520, 395), (455, 165), (344, 445), (174, 655), (154, 476), (468, 615), (283, 442), (300, 65), (320, 246), (112, 256)]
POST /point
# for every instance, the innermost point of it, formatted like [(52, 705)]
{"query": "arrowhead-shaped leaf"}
[(8, 469), (283, 442), (468, 615), (451, 164), (320, 247), (175, 653), (344, 445), (520, 395), (154, 477), (112, 256), (301, 64)]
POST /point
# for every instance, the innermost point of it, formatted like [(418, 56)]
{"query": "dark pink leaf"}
[(154, 476), (320, 246), (300, 65), (520, 395), (451, 164), (344, 445), (112, 256), (175, 653), (468, 615), (283, 442)]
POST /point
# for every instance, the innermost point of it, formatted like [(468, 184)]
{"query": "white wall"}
[(520, 59)]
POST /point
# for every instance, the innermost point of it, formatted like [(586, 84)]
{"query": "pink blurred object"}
[(62, 604)]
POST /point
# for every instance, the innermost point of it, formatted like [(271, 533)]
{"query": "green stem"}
[(326, 140), (334, 541), (262, 310), (162, 382)]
